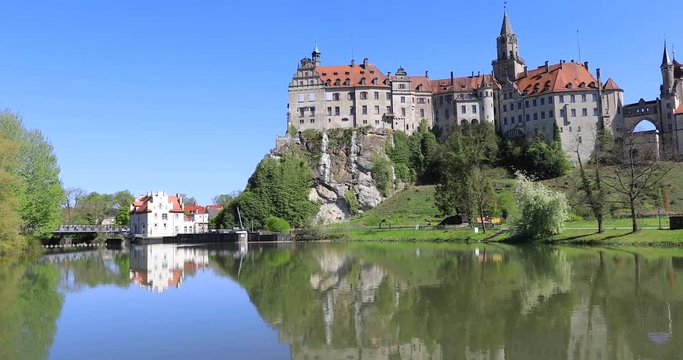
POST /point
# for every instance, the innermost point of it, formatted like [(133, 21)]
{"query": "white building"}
[(158, 215)]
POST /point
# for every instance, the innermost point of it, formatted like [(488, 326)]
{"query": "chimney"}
[(427, 74), (526, 70), (585, 64), (353, 62), (472, 74), (365, 63), (478, 73), (452, 80), (547, 67), (389, 73)]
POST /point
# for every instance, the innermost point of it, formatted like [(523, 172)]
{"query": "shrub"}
[(276, 224), (352, 200), (381, 174), (542, 212)]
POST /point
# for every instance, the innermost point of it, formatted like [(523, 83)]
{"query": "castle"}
[(519, 101)]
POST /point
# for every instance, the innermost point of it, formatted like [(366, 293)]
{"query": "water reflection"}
[(374, 301), (158, 267)]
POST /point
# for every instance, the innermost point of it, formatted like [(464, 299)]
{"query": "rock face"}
[(342, 162)]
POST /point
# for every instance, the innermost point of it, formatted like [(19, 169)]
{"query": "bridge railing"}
[(73, 229)]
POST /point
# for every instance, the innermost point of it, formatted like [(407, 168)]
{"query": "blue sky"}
[(188, 96)]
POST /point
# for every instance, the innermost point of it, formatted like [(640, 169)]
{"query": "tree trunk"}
[(633, 215), (599, 219)]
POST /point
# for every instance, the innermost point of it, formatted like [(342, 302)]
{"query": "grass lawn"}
[(374, 234), (646, 237), (618, 223)]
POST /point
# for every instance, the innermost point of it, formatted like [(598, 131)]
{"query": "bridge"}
[(91, 229)]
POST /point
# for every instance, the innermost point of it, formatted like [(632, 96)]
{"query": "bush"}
[(381, 174), (276, 224), (542, 212), (352, 200)]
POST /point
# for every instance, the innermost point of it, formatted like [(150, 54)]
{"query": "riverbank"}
[(650, 237)]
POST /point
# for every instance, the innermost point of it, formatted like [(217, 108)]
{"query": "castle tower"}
[(508, 64), (315, 56), (667, 68), (485, 92)]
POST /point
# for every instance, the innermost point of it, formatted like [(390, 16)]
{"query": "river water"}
[(343, 301)]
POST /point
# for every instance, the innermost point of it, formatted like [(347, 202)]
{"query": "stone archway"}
[(644, 125)]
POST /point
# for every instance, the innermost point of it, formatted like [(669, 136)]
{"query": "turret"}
[(667, 68), (485, 93), (508, 63), (315, 56)]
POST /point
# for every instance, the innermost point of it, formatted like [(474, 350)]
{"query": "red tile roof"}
[(219, 207), (563, 77), (420, 83), (462, 84), (611, 85), (195, 209), (357, 75), (679, 110), (140, 205), (176, 207)]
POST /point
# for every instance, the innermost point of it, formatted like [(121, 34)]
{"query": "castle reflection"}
[(161, 266)]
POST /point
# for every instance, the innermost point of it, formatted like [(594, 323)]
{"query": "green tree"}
[(276, 224), (542, 211), (484, 197), (381, 174), (122, 216), (10, 240), (465, 151), (40, 191)]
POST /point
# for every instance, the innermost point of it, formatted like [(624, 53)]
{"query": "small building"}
[(156, 215)]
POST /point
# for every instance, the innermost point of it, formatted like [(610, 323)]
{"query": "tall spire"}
[(665, 58), (506, 29)]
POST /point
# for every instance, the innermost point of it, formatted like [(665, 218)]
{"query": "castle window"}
[(505, 121), (583, 97), (345, 119), (337, 82), (595, 97), (505, 108), (572, 98), (363, 95), (362, 81), (542, 101), (422, 113), (374, 81), (335, 96), (389, 110), (519, 118), (364, 110), (550, 99), (584, 112), (312, 121), (595, 111), (365, 122), (349, 96), (403, 99), (328, 82), (527, 117), (463, 109), (401, 86), (561, 112), (561, 99), (301, 121), (542, 114), (474, 109), (301, 97), (351, 110), (376, 122), (376, 110), (550, 114), (329, 111), (337, 111), (535, 102), (573, 112), (403, 111), (580, 140), (535, 116), (376, 95), (569, 86), (311, 97), (347, 82), (526, 104), (388, 95)]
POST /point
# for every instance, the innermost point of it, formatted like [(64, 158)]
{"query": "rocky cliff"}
[(342, 161)]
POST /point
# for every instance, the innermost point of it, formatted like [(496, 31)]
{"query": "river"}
[(344, 301)]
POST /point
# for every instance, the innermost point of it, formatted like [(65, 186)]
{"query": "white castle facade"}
[(519, 101)]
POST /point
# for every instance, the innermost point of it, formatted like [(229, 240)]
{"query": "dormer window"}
[(335, 73), (374, 81), (347, 73), (582, 85), (569, 86), (347, 82), (362, 81), (328, 82), (337, 82)]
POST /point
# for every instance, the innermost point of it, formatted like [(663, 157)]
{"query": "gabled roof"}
[(562, 77), (140, 205), (420, 83), (195, 209), (354, 73), (679, 110), (611, 85), (463, 84), (176, 206)]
